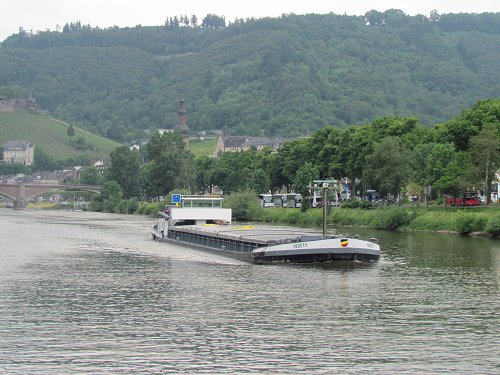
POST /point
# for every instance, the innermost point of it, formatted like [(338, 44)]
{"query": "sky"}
[(41, 15)]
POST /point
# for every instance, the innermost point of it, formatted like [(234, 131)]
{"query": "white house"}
[(18, 152), (242, 143)]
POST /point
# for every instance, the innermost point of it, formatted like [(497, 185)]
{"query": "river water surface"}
[(92, 293)]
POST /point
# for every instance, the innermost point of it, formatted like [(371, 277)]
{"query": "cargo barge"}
[(201, 222)]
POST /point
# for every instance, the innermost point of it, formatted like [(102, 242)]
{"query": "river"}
[(92, 293)]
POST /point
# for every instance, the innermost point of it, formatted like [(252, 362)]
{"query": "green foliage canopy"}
[(286, 76), (124, 169)]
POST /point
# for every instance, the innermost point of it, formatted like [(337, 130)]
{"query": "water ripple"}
[(90, 301)]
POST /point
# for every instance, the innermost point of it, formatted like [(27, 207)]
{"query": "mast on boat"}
[(325, 185)]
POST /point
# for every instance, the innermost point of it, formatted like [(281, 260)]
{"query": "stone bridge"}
[(20, 193)]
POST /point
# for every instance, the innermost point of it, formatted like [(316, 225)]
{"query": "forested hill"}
[(284, 76)]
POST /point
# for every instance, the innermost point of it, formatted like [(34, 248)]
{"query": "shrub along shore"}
[(469, 221)]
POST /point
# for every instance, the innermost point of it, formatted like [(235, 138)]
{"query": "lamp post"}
[(356, 186)]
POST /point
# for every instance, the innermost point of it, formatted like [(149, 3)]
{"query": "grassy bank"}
[(51, 135), (435, 219), (202, 148)]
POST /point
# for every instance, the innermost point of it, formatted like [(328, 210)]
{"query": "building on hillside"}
[(100, 166), (18, 152), (163, 131), (182, 126), (22, 105), (242, 143)]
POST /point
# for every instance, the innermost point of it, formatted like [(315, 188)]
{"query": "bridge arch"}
[(20, 193), (8, 195)]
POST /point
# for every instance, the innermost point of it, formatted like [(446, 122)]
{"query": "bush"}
[(493, 226), (122, 207), (133, 206), (466, 223), (432, 220), (111, 205), (152, 208), (96, 203), (244, 205), (342, 217), (356, 203), (391, 218), (311, 217), (140, 209), (291, 215)]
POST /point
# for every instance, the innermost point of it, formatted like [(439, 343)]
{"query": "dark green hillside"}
[(283, 76), (51, 135)]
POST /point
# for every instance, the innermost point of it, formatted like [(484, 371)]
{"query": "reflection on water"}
[(92, 293)]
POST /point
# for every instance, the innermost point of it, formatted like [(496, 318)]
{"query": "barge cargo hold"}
[(202, 223)]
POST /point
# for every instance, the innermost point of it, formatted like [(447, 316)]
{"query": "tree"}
[(470, 122), (124, 170), (258, 181), (212, 21), (115, 132), (413, 189), (111, 195), (484, 158), (42, 161), (71, 131), (440, 156), (387, 167), (374, 17), (453, 182), (194, 21), (186, 178), (292, 156), (148, 187), (434, 16), (165, 155), (91, 176), (303, 178), (429, 162), (203, 166)]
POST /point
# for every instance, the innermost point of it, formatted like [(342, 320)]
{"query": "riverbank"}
[(478, 220), (483, 221)]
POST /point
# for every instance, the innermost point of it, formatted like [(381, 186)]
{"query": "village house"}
[(18, 152), (242, 143), (100, 166), (14, 105)]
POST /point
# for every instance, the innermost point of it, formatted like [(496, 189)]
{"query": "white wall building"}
[(18, 152)]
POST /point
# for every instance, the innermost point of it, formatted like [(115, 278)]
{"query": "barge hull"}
[(280, 247), (317, 258)]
